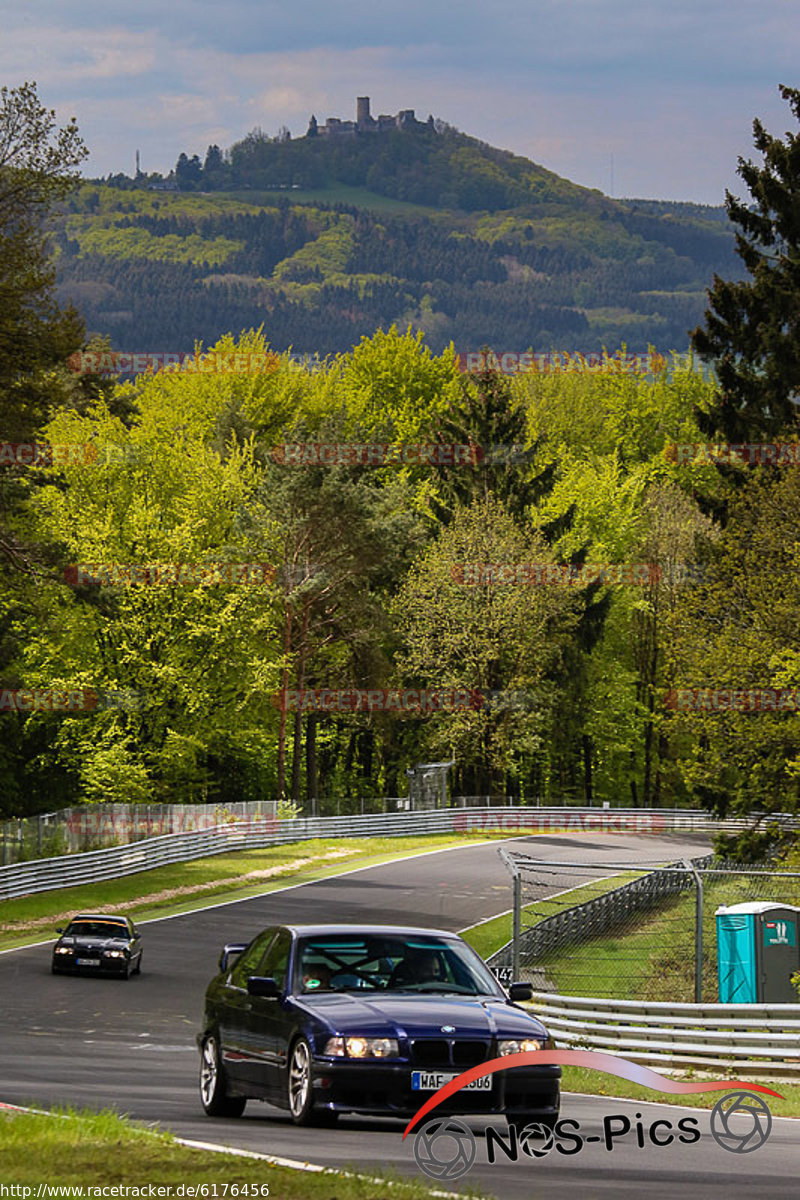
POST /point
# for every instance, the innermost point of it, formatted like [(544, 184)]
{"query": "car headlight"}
[(361, 1047), (519, 1045), (64, 950), (114, 953)]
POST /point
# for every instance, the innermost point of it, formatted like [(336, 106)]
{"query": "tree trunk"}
[(587, 768), (312, 787), (287, 647), (297, 740), (348, 762)]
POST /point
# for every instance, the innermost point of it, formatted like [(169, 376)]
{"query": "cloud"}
[(67, 59), (670, 91)]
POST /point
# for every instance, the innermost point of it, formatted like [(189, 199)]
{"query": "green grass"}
[(654, 962), (651, 957), (621, 964), (597, 1083), (489, 936), (182, 887), (96, 1149)]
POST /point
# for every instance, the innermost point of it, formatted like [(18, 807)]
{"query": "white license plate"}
[(431, 1081), (87, 962)]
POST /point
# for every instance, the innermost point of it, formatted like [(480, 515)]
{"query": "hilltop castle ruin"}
[(364, 122)]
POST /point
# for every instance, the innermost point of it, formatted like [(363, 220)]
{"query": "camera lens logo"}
[(536, 1139), (740, 1122), (444, 1148)]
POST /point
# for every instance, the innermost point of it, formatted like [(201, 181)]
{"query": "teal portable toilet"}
[(758, 950)]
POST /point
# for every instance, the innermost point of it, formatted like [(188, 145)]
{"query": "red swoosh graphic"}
[(595, 1060)]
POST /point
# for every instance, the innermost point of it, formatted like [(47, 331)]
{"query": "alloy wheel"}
[(299, 1079)]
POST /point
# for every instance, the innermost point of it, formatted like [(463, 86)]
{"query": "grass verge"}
[(652, 956), (660, 940), (596, 1083), (237, 875), (489, 936), (99, 1149)]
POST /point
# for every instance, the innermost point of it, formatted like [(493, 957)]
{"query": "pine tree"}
[(752, 328)]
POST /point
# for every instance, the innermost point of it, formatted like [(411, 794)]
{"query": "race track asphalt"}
[(129, 1046)]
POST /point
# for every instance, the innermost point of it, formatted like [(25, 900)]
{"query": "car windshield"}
[(96, 929), (344, 963)]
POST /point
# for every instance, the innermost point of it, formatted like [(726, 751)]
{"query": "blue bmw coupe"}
[(326, 1019)]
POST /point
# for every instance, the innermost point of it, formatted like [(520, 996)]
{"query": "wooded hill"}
[(323, 240)]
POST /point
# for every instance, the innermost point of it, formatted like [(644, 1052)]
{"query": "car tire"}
[(138, 968), (213, 1085), (299, 1091)]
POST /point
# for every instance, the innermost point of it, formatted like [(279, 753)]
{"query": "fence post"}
[(517, 923), (698, 931), (516, 919)]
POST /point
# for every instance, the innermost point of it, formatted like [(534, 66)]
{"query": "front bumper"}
[(66, 965), (384, 1089)]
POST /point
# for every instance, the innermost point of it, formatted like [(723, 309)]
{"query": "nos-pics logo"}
[(445, 1148)]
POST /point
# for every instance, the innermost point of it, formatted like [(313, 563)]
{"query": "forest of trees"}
[(366, 592), (143, 268), (573, 575)]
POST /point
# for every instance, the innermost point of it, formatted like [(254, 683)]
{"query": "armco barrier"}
[(43, 875), (756, 1041)]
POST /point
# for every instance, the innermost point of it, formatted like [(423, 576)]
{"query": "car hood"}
[(94, 943), (406, 1015)]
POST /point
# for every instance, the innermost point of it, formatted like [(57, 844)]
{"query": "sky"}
[(635, 97)]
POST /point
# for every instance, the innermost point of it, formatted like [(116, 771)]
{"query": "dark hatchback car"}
[(98, 943), (327, 1019)]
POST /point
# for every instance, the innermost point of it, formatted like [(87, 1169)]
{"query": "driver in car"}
[(425, 966), (316, 978)]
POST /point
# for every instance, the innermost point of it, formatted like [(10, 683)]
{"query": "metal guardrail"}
[(43, 875), (94, 826), (751, 1040)]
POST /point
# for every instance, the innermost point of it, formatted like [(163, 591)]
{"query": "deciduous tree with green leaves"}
[(488, 637), (738, 630)]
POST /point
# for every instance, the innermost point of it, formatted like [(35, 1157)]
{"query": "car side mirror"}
[(229, 951), (520, 991), (263, 985), (59, 929)]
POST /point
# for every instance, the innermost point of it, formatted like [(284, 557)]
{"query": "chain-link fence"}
[(93, 827), (621, 931)]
